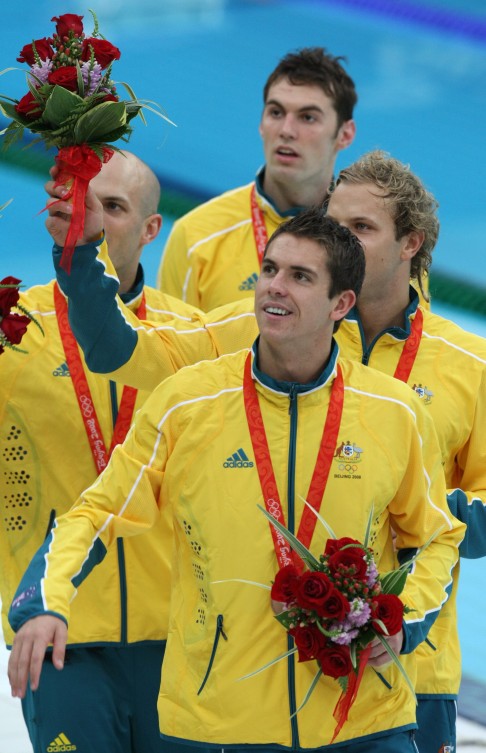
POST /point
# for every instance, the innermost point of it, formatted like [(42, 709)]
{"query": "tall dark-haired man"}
[(214, 253)]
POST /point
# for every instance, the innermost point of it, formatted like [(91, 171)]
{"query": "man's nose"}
[(288, 126), (278, 284)]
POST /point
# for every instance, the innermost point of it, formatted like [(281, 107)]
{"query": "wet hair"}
[(344, 257), (313, 65), (411, 206)]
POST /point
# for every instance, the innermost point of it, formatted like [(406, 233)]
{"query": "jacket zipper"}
[(122, 575), (219, 632)]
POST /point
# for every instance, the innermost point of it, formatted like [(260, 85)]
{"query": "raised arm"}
[(113, 339)]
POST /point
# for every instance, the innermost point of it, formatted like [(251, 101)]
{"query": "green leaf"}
[(309, 692), (9, 110), (270, 663), (95, 124), (285, 619), (60, 105), (368, 526), (80, 80), (13, 133), (242, 580), (162, 115), (1, 210), (394, 582), (343, 683), (352, 654), (328, 528), (295, 544)]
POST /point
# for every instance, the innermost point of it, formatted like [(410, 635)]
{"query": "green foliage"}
[(60, 105), (101, 120)]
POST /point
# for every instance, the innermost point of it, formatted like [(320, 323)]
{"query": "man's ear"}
[(344, 303), (413, 243), (346, 134), (153, 225)]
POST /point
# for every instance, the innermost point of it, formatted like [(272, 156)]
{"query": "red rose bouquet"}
[(13, 326), (72, 103), (334, 606)]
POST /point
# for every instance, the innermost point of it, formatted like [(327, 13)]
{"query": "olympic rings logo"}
[(273, 508), (86, 406), (348, 467)]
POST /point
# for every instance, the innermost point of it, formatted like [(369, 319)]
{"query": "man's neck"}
[(128, 278), (286, 195), (377, 316), (286, 365)]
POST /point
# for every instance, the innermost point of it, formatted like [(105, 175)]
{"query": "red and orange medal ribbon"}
[(87, 407), (265, 468)]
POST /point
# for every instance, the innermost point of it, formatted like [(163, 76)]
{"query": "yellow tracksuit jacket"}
[(45, 464), (210, 257), (177, 456)]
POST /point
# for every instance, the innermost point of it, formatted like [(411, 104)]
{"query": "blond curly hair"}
[(412, 207)]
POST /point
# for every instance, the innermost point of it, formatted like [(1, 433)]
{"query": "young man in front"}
[(174, 457)]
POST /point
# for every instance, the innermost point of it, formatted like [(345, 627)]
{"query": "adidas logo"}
[(62, 370), (238, 459), (61, 743), (249, 283)]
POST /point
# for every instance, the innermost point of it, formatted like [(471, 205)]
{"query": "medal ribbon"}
[(409, 352), (83, 393), (265, 469), (259, 228)]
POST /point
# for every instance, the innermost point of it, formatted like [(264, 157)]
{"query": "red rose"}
[(336, 606), (8, 296), (389, 609), (347, 558), (110, 98), (313, 589), (14, 327), (105, 52), (335, 660), (334, 545), (29, 107), (66, 77), (285, 586), (43, 47), (309, 641), (68, 22)]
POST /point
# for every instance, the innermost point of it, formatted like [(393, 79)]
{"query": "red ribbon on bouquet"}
[(77, 166), (347, 698)]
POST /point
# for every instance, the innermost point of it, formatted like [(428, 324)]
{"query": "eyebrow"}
[(293, 267), (304, 108), (354, 218)]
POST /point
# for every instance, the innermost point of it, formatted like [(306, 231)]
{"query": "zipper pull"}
[(219, 624)]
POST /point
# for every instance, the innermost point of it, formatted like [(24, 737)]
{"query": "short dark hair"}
[(344, 260), (314, 65)]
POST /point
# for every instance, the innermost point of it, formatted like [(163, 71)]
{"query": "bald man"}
[(58, 423)]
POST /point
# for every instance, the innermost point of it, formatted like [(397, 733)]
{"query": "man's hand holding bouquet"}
[(73, 104)]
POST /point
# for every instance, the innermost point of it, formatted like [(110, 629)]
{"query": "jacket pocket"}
[(218, 634)]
